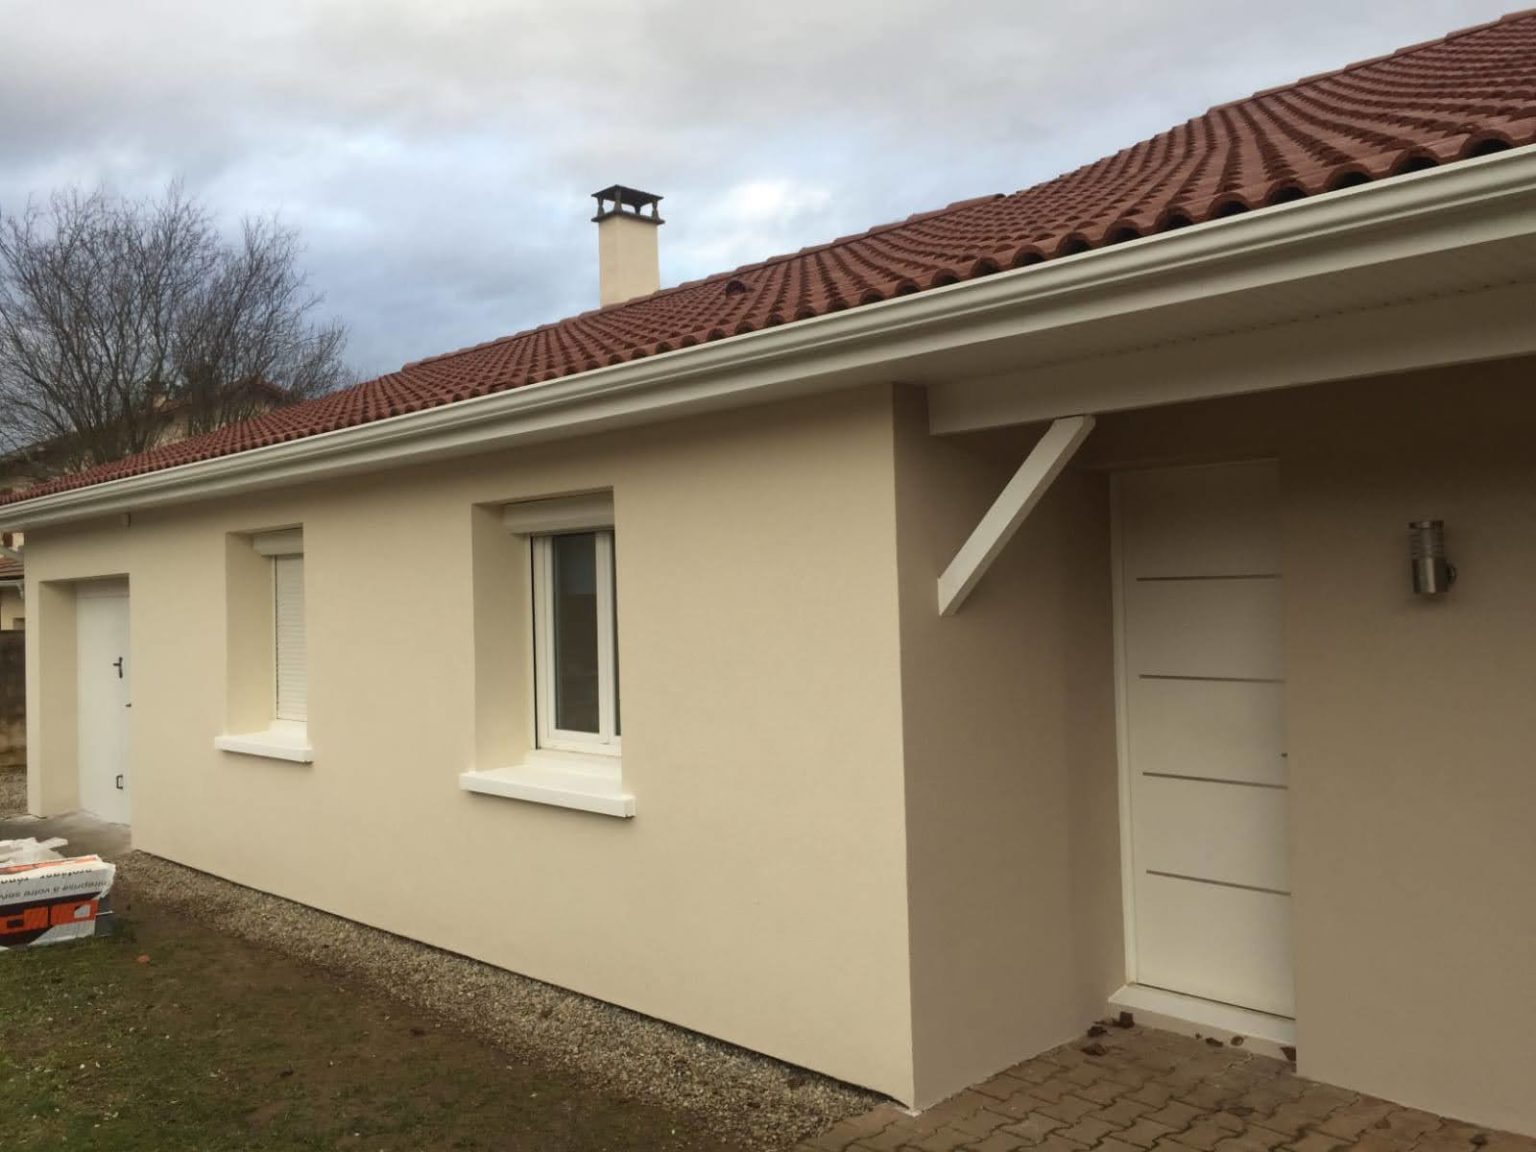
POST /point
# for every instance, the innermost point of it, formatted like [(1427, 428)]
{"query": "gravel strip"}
[(749, 1099), (13, 791)]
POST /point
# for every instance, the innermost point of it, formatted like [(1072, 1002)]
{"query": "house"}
[(12, 612), (1019, 613)]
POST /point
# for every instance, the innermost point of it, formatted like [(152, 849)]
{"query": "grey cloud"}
[(437, 155)]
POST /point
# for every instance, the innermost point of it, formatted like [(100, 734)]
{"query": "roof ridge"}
[(1396, 54), (731, 274)]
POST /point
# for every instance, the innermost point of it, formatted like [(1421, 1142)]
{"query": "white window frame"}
[(579, 770), (276, 547), (606, 740)]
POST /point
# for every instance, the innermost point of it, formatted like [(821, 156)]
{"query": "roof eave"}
[(1329, 233)]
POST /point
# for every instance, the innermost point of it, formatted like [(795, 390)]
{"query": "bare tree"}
[(118, 315)]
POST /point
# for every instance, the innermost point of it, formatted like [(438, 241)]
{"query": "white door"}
[(1204, 726), (103, 698)]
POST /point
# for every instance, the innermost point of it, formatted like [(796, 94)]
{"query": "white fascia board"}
[(1429, 211), (1462, 328)]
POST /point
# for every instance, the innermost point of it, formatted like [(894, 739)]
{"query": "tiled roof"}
[(1469, 93), (10, 569)]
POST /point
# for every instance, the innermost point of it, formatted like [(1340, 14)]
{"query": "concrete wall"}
[(1009, 724), (760, 892), (1410, 727), (52, 783)]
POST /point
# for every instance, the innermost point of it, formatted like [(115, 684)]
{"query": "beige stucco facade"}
[(762, 734), (868, 839), (1008, 725)]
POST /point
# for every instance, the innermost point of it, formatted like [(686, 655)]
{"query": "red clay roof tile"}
[(1470, 92)]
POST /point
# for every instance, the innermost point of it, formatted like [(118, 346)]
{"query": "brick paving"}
[(1141, 1090)]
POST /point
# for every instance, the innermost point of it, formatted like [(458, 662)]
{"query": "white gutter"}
[(1436, 209)]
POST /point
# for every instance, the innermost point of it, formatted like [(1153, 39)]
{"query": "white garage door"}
[(103, 698), (1201, 618)]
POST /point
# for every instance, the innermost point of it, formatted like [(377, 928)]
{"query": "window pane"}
[(574, 599)]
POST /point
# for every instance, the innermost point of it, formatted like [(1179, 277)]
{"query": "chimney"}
[(627, 261)]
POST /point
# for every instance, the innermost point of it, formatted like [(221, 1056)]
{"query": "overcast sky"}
[(438, 155)]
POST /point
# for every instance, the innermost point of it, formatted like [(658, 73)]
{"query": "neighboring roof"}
[(10, 569), (1467, 94), (22, 468)]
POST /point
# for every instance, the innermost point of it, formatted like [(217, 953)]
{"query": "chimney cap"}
[(617, 200)]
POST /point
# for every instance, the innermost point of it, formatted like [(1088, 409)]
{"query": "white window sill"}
[(289, 742), (564, 781)]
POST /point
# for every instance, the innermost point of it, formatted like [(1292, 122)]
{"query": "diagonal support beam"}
[(1040, 468)]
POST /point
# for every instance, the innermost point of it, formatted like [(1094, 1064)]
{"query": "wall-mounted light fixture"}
[(1433, 574)]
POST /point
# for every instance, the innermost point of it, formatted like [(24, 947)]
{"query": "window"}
[(268, 689), (552, 610), (290, 663), (576, 654), (292, 676)]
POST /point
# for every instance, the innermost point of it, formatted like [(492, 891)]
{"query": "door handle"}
[(119, 781), (118, 664)]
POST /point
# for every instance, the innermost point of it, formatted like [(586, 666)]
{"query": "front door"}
[(103, 698), (1203, 732)]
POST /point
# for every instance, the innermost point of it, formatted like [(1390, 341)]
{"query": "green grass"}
[(213, 1044)]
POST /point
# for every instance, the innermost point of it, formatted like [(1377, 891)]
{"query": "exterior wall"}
[(760, 892), (1412, 735), (903, 828), (1409, 722), (1009, 725)]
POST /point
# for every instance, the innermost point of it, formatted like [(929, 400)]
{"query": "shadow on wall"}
[(13, 699)]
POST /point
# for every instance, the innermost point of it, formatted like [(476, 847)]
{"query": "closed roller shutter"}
[(292, 661)]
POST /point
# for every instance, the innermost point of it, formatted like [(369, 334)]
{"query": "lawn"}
[(171, 1035)]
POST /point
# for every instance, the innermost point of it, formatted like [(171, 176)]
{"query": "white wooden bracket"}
[(1034, 477)]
